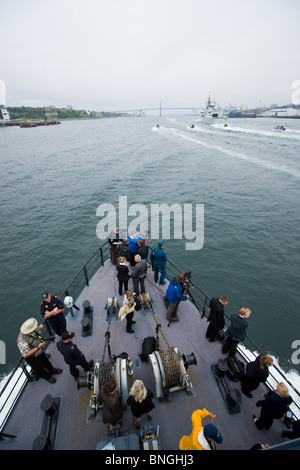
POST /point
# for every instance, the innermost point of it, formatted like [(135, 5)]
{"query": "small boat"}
[(280, 128)]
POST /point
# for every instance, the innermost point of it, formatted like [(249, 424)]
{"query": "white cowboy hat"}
[(29, 326)]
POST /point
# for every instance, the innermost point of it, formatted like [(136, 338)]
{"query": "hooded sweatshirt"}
[(191, 442), (174, 292)]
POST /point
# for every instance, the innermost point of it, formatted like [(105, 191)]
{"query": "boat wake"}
[(288, 134), (231, 153)]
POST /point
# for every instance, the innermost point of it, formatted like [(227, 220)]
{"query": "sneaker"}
[(131, 331), (57, 371), (52, 380), (162, 283)]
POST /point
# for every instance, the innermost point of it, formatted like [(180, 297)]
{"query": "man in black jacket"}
[(123, 250), (216, 317), (72, 355)]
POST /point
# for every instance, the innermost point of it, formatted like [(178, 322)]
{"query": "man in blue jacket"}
[(175, 295), (159, 258)]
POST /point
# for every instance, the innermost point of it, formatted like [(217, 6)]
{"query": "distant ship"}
[(4, 114), (214, 114), (242, 114)]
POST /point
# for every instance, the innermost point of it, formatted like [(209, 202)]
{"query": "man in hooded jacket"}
[(201, 437), (175, 295)]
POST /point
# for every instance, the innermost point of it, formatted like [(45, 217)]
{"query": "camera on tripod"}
[(187, 283)]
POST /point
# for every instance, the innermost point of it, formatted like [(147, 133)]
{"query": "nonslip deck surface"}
[(78, 429)]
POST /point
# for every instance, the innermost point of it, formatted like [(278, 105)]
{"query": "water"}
[(247, 176)]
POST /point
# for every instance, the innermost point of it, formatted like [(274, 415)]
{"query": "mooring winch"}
[(169, 367), (169, 371), (117, 368)]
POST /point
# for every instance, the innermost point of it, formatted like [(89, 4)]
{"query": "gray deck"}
[(77, 429)]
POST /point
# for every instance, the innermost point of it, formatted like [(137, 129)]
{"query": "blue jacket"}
[(133, 243), (159, 257), (174, 292)]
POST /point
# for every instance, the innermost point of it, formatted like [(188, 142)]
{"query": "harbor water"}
[(246, 176)]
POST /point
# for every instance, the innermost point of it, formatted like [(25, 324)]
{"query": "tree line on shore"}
[(29, 113)]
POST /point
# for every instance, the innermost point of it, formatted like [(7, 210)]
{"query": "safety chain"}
[(158, 325), (107, 333)]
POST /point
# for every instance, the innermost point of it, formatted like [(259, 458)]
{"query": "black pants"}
[(83, 363), (41, 365), (58, 323), (129, 318), (137, 281), (230, 346), (121, 285), (265, 420), (211, 332)]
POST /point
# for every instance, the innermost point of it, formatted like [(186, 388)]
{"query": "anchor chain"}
[(105, 369)]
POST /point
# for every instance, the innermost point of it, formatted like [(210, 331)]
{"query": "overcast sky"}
[(129, 54)]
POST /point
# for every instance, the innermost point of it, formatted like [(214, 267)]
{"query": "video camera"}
[(50, 338), (187, 283)]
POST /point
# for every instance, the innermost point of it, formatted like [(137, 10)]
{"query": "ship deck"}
[(79, 429)]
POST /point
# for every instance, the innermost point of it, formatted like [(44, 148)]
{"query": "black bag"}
[(138, 304), (236, 368), (148, 346)]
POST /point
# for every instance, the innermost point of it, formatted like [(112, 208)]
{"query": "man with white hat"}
[(30, 344)]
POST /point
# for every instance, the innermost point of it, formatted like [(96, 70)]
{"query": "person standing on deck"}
[(114, 241), (159, 258), (52, 309), (140, 401), (139, 274), (112, 411), (216, 317), (133, 246), (72, 355), (122, 274), (123, 250), (31, 345), (237, 331), (174, 296), (127, 310)]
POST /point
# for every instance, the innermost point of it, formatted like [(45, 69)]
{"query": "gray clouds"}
[(127, 54)]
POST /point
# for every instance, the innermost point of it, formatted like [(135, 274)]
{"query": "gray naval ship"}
[(185, 373)]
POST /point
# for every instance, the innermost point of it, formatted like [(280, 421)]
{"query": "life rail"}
[(20, 376)]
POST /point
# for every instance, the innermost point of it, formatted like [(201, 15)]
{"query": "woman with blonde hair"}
[(274, 406), (140, 400), (237, 331), (256, 372)]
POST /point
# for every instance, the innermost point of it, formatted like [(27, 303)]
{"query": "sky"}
[(135, 54)]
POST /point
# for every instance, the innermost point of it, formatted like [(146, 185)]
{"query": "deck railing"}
[(18, 378)]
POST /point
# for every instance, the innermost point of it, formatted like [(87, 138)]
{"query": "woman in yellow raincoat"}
[(201, 438)]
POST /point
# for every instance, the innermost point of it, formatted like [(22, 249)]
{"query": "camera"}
[(187, 283)]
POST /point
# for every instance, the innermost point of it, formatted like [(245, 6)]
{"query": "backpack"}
[(148, 346), (138, 304)]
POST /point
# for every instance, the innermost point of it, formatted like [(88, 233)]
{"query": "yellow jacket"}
[(191, 442)]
